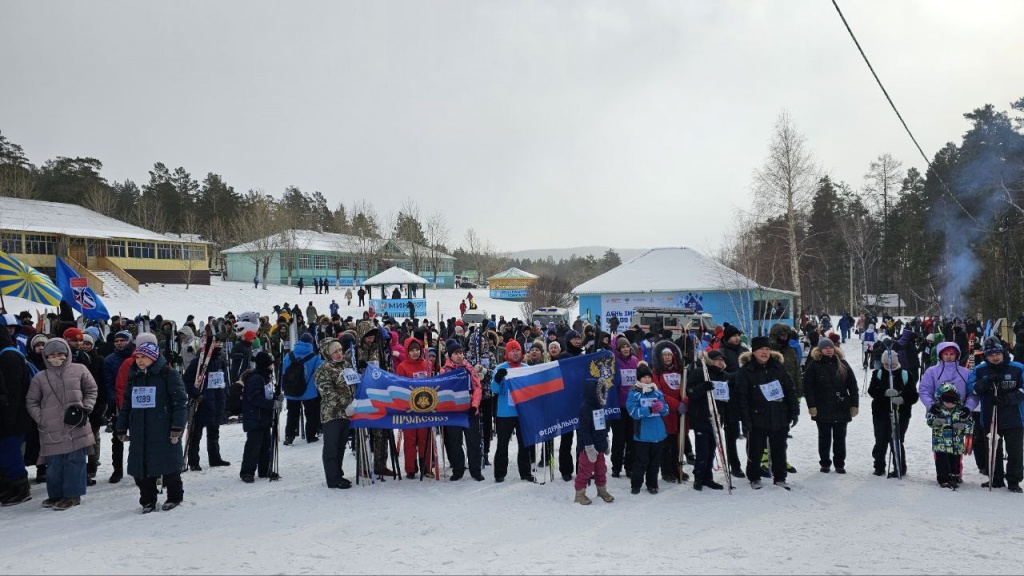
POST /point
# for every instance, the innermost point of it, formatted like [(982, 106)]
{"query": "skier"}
[(646, 406), (335, 406), (699, 414), (593, 436), (453, 435), (210, 410), (508, 419), (952, 426), (667, 370), (418, 451), (832, 401), (893, 392), (154, 412), (307, 403), (260, 399), (998, 384), (768, 406), (622, 437)]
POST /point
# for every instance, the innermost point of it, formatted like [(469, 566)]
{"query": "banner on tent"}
[(400, 306)]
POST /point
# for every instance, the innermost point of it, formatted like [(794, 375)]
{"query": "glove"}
[(361, 365), (682, 408), (793, 422), (892, 392), (854, 411), (939, 422), (812, 411), (591, 453), (350, 410), (472, 410), (499, 375), (656, 407), (896, 400), (959, 426), (175, 435)]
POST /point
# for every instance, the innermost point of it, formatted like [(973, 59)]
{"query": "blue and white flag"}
[(386, 400), (81, 298)]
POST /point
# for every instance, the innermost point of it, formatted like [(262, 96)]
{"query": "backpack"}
[(293, 381), (32, 370)]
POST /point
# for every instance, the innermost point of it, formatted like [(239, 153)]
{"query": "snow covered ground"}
[(857, 523)]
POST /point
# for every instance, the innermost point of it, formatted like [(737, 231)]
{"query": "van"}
[(675, 319), (551, 314), (478, 316)]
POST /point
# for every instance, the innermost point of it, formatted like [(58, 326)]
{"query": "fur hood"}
[(816, 354), (746, 357), (656, 364)]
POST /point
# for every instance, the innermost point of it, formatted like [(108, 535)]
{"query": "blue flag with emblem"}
[(78, 294), (548, 396), (386, 400)]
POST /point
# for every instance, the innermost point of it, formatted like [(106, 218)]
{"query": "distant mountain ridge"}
[(582, 251)]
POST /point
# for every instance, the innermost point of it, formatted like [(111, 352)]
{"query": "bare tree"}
[(884, 179), (256, 226), (784, 187), (547, 291), (148, 214), (437, 238), (189, 233)]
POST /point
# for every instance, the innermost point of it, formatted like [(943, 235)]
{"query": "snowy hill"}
[(852, 524), (581, 251)]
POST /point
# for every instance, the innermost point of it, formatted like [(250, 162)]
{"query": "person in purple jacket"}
[(622, 429), (949, 370)]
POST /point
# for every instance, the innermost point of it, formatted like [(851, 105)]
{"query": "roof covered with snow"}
[(313, 241), (40, 217), (512, 272), (394, 275), (667, 270)]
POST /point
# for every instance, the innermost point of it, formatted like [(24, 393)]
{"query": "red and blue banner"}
[(75, 290), (386, 400), (548, 396)]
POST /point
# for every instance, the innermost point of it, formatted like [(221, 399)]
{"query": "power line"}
[(902, 121)]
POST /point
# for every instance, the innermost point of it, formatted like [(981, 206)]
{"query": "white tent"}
[(666, 270), (395, 275)]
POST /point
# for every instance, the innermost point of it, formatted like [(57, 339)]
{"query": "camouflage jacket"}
[(335, 394)]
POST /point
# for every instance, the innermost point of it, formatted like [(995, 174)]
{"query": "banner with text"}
[(400, 307), (386, 400)]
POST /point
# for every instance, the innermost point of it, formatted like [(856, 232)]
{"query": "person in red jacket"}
[(668, 377), (417, 447), (453, 434)]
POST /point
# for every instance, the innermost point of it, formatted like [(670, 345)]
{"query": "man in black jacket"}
[(769, 408)]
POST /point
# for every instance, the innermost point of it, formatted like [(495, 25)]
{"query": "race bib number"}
[(599, 421), (672, 380), (286, 345), (646, 402), (144, 397), (351, 376), (268, 390), (421, 374), (721, 391), (772, 391), (215, 380), (628, 377), (485, 362)]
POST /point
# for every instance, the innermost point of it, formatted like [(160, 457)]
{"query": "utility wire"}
[(902, 121)]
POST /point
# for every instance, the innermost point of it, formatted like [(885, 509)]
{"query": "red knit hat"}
[(73, 335), (249, 336), (513, 345)]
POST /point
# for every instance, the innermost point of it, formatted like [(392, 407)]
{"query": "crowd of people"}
[(161, 389)]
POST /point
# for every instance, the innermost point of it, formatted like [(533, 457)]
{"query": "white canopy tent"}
[(396, 275)]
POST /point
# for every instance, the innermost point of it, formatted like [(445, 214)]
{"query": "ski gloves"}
[(792, 423), (499, 375), (656, 407), (175, 435), (591, 453)]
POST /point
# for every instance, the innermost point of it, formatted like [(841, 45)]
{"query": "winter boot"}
[(581, 497), (20, 491), (40, 474), (67, 503), (117, 475), (602, 492)]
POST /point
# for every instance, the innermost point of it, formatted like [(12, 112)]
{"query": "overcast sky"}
[(542, 124)]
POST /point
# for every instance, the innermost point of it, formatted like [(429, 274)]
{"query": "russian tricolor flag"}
[(528, 382)]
